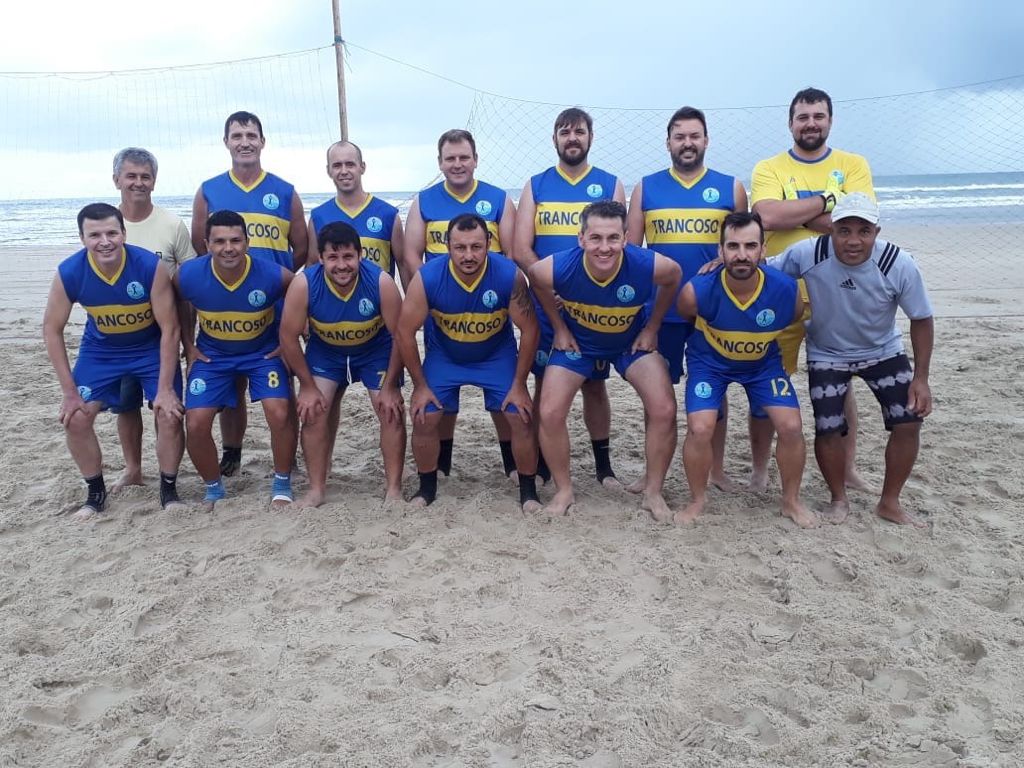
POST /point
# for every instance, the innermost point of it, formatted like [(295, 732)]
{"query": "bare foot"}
[(532, 507), (723, 483), (418, 502), (128, 477), (836, 512), (311, 499), (800, 515), (208, 505), (560, 504), (758, 480), (638, 485), (895, 513), (175, 507), (689, 513), (84, 514), (612, 483), (393, 494), (655, 504), (855, 481)]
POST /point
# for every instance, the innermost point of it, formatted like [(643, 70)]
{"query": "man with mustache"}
[(739, 310), (794, 192), (548, 221)]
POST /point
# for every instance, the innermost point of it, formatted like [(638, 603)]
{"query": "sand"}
[(469, 635)]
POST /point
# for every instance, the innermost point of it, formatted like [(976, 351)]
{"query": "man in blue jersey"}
[(235, 298), (855, 283), (158, 230), (739, 311), (614, 296), (470, 297), (351, 307), (548, 220), (426, 233), (275, 227), (679, 212), (132, 330)]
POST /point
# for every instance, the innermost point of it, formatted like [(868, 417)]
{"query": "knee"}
[(80, 423), (700, 430), (662, 412), (197, 426), (790, 429), (277, 413), (552, 414)]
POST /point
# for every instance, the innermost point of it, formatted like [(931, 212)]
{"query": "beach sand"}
[(469, 635)]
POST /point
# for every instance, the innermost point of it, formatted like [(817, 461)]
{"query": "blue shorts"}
[(99, 376), (368, 366), (672, 339), (768, 386), (446, 378), (212, 384), (590, 367)]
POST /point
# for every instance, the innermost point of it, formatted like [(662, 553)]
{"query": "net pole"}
[(339, 61)]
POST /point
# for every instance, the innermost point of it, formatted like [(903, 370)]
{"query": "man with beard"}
[(794, 192), (470, 297), (739, 310), (679, 212), (548, 220)]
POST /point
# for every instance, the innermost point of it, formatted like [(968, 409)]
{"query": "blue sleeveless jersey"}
[(266, 207), (735, 337), (374, 220), (560, 200), (604, 317), (120, 315), (345, 325), (233, 319), (683, 220), (438, 206), (469, 322)]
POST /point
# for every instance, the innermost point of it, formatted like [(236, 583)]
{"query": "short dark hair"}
[(686, 113), (242, 118), (342, 143), (338, 234), (225, 219), (454, 136), (98, 212), (467, 222), (573, 116), (738, 220), (603, 209), (810, 96)]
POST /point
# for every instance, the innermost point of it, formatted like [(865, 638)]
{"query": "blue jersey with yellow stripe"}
[(606, 316), (120, 315), (740, 336), (560, 201), (345, 324), (439, 205), (374, 220), (470, 322), (237, 318), (266, 206)]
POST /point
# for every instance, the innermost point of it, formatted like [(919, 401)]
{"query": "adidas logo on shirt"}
[(848, 284)]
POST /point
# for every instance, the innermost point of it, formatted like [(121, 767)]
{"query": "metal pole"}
[(339, 60)]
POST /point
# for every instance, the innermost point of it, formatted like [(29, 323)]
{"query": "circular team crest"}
[(257, 298), (572, 354), (765, 318), (197, 386), (374, 224), (84, 392), (702, 390), (483, 207), (490, 299), (595, 191), (271, 201), (711, 195), (135, 289), (625, 293), (541, 357), (366, 307)]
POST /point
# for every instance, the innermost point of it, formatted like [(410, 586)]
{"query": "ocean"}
[(939, 198)]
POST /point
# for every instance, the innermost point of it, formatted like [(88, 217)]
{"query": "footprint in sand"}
[(829, 572), (968, 649), (899, 684), (752, 723), (93, 703), (494, 667), (971, 717), (777, 629), (152, 620)]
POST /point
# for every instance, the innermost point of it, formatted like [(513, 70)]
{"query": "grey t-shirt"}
[(853, 309)]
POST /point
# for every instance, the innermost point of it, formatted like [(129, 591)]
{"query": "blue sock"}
[(281, 489), (215, 490)]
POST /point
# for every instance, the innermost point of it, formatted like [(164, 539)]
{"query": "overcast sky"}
[(635, 54)]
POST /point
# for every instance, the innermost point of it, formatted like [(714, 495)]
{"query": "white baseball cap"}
[(856, 205)]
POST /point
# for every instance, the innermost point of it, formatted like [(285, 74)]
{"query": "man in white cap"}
[(855, 282)]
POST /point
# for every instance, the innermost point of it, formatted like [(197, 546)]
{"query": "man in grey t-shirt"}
[(855, 283)]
